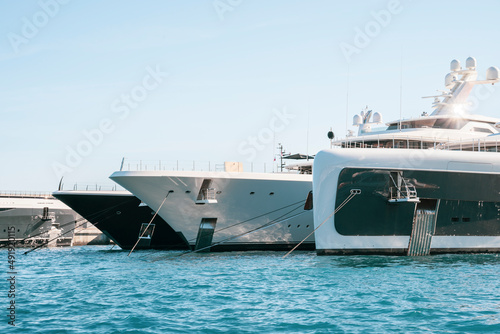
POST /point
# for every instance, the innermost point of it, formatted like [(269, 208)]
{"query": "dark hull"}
[(121, 218), (469, 203)]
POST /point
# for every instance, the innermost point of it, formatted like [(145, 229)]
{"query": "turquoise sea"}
[(96, 289)]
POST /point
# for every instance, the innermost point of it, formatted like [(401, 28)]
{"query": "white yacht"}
[(235, 210), (228, 210), (406, 202), (29, 219)]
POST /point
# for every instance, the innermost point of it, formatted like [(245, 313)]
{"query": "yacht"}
[(443, 199), (231, 210), (406, 202), (29, 219), (123, 218), (236, 210)]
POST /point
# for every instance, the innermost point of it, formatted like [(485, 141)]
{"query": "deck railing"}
[(482, 144), (184, 165), (26, 194), (96, 187)]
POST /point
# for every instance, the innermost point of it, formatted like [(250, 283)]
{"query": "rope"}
[(49, 241), (138, 239), (271, 223), (262, 215), (92, 216), (353, 193), (40, 233)]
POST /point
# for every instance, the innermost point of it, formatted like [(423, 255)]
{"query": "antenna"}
[(274, 146), (280, 147), (401, 91), (347, 101), (307, 139)]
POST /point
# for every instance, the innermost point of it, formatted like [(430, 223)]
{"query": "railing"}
[(177, 165), (96, 187), (208, 194), (483, 144), (184, 165), (408, 191), (479, 145), (26, 194)]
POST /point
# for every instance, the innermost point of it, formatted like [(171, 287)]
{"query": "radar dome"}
[(357, 120), (455, 65), (471, 63), (377, 117), (492, 73)]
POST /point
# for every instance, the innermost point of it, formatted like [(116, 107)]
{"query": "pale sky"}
[(211, 80)]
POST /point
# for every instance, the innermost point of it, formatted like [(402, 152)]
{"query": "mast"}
[(280, 148)]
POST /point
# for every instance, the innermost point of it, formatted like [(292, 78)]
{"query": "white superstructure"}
[(450, 120)]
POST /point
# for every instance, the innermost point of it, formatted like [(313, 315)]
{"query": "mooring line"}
[(49, 241), (76, 221), (261, 215), (138, 239), (273, 222), (353, 193), (94, 215), (40, 233)]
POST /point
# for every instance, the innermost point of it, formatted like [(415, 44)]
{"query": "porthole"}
[(188, 191), (271, 193), (252, 192), (307, 226), (298, 226), (289, 226), (454, 219), (4, 231), (118, 212), (218, 192), (18, 230), (465, 219)]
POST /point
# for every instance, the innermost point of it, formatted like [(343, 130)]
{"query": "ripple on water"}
[(93, 289)]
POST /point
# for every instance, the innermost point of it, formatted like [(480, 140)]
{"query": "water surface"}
[(98, 289)]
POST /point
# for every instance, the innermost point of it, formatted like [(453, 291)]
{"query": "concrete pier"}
[(89, 235)]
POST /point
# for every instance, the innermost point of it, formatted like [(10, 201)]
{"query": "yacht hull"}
[(121, 216), (455, 208), (248, 211)]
